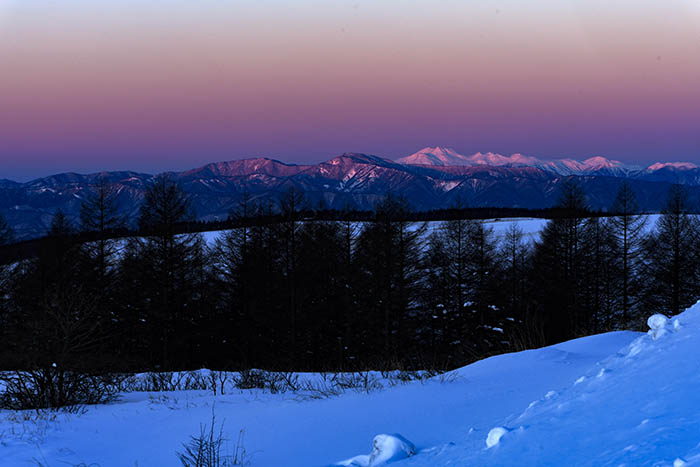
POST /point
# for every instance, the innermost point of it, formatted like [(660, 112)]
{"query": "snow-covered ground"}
[(619, 398), (530, 226)]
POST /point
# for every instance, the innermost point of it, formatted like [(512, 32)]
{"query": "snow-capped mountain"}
[(444, 156), (597, 165), (672, 165), (358, 181), (685, 173)]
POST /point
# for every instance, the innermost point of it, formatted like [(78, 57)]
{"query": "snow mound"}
[(495, 435), (385, 449), (657, 324), (645, 396), (657, 321)]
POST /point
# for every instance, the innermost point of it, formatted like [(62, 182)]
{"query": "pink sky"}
[(157, 85)]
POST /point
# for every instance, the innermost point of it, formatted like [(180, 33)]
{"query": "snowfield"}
[(530, 226), (619, 398)]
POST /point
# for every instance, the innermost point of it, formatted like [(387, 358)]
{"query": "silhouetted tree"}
[(514, 291), (347, 276), (559, 262), (482, 272), (442, 313), (34, 282), (601, 277), (63, 356), (7, 234), (234, 264), (462, 280), (6, 238), (628, 227), (99, 214), (291, 205), (323, 309), (168, 265), (389, 265), (671, 259)]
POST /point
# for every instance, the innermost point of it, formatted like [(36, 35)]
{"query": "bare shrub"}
[(526, 334), (448, 377), (167, 381), (272, 381), (54, 388), (322, 389), (58, 365), (164, 381), (289, 380), (359, 381), (208, 449), (28, 426), (250, 379), (217, 381)]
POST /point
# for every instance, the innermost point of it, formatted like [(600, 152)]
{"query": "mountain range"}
[(434, 177)]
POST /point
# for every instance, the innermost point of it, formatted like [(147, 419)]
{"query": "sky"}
[(154, 85)]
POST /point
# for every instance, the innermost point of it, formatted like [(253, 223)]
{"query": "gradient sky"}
[(155, 85)]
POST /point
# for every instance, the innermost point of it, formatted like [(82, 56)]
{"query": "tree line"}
[(301, 294)]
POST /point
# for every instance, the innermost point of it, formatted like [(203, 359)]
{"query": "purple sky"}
[(155, 85)]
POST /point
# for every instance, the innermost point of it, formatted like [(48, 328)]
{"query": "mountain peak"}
[(602, 162), (438, 155), (446, 150), (445, 156), (360, 158), (241, 167), (672, 165)]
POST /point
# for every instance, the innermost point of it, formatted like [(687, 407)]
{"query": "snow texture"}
[(495, 435), (657, 324), (637, 402), (385, 449)]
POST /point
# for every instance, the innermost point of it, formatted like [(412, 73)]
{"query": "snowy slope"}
[(530, 226), (639, 406), (619, 398), (284, 431)]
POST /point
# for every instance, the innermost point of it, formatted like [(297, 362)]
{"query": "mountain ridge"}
[(447, 156), (354, 180)]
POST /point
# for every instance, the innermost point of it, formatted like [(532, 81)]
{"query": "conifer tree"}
[(99, 214), (289, 230), (390, 271), (441, 311), (671, 258), (515, 255), (628, 227), (601, 277), (323, 309), (233, 263), (7, 234), (6, 238), (559, 266), (169, 260)]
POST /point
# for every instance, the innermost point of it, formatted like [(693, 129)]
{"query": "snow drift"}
[(638, 406), (618, 398)]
